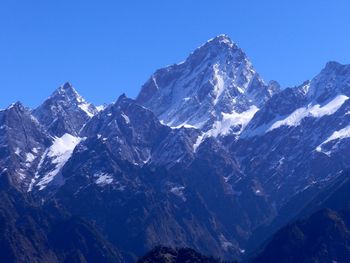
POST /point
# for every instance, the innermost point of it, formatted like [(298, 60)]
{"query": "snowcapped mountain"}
[(129, 129), (208, 156), (216, 88), (65, 111), (136, 135), (298, 143), (310, 120), (22, 141)]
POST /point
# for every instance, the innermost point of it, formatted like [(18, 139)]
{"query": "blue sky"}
[(108, 47)]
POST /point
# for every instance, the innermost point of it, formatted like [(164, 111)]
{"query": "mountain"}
[(65, 111), (128, 160), (292, 145), (208, 156), (296, 145), (131, 131), (22, 141), (216, 88)]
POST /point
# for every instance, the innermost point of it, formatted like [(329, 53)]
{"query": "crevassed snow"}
[(60, 152), (337, 135), (316, 111), (103, 179)]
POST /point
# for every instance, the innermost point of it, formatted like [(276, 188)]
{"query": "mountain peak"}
[(65, 111), (219, 46), (66, 90), (67, 85), (17, 105), (66, 94), (216, 79), (336, 67), (330, 82), (122, 97), (222, 39)]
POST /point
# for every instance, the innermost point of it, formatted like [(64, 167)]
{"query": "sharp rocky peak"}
[(335, 66), (333, 80), (216, 79), (16, 106), (68, 93), (218, 45), (65, 111)]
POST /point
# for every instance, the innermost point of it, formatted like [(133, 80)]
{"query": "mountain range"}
[(208, 156)]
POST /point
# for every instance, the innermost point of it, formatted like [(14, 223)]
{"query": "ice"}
[(59, 152), (316, 111), (337, 135)]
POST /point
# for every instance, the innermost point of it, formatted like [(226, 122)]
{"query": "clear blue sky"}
[(108, 47)]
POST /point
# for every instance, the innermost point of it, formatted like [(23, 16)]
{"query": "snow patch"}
[(60, 152), (100, 108), (85, 107), (337, 135), (234, 119), (30, 157), (183, 125), (17, 151), (178, 191), (227, 123), (219, 86), (126, 118), (316, 111), (103, 179)]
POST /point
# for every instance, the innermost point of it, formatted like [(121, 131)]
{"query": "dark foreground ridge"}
[(179, 255)]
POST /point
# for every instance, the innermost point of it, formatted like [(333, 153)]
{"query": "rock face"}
[(215, 84), (65, 111), (22, 141), (298, 142), (208, 156)]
